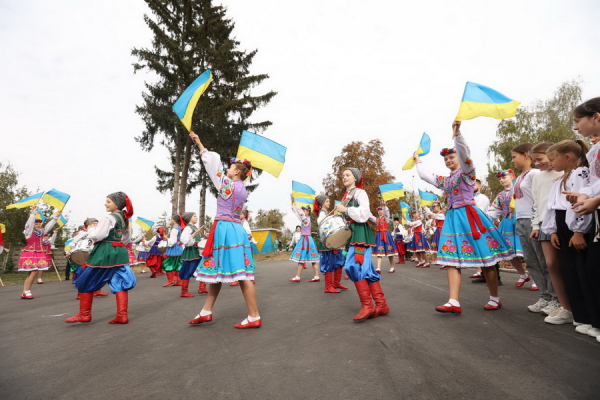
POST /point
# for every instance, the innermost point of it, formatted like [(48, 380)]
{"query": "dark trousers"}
[(591, 284), (572, 268)]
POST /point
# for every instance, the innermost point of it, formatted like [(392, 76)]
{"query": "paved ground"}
[(308, 347)]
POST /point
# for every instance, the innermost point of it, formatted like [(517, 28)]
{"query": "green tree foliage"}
[(189, 38), (15, 218), (543, 121), (268, 219)]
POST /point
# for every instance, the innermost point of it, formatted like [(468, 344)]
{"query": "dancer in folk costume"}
[(246, 225), (468, 238), (33, 256), (331, 260), (142, 251), (49, 245), (438, 218), (503, 206), (108, 260), (190, 236), (306, 249), (359, 267), (419, 245), (155, 257), (88, 224), (399, 233), (172, 262), (227, 256), (384, 243)]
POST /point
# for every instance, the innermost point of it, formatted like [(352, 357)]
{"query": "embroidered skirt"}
[(384, 245)]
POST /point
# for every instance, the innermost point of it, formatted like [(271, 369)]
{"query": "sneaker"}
[(593, 332), (559, 316), (551, 306), (537, 307), (583, 329)]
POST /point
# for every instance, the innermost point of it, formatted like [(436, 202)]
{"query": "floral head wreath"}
[(305, 208), (500, 174), (379, 208), (436, 203), (37, 221), (242, 161), (447, 151)]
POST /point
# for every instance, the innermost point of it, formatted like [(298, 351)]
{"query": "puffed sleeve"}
[(322, 216), (549, 222), (386, 214), (29, 226), (429, 177), (172, 241), (186, 236), (414, 224), (214, 169), (464, 158), (151, 241), (299, 213), (593, 189), (51, 224), (53, 237), (101, 231), (362, 213)]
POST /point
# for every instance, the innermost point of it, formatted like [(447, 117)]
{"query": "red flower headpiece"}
[(447, 151), (500, 174), (305, 208), (242, 161)]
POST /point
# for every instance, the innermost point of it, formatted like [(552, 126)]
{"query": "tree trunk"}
[(175, 199), (184, 175)]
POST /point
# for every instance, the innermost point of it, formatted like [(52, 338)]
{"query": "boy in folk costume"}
[(33, 256), (155, 257), (227, 256), (108, 261), (191, 254), (331, 261), (419, 245), (468, 238), (399, 233), (438, 217), (384, 243), (359, 267), (306, 249)]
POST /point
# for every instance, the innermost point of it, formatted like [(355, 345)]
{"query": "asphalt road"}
[(307, 348)]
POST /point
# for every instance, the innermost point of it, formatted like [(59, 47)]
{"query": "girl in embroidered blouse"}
[(227, 255), (384, 243), (484, 246), (306, 249)]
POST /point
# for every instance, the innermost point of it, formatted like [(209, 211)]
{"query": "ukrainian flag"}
[(304, 202), (263, 153), (68, 245), (391, 191), (56, 199), (146, 224), (39, 215), (427, 198), (61, 221), (26, 202), (186, 103), (482, 101), (405, 208), (424, 147), (302, 190)]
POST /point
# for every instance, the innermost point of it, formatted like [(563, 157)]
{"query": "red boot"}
[(170, 278), (153, 270), (177, 279), (85, 309), (100, 293), (380, 303), (337, 278), (367, 309), (329, 283), (121, 317), (185, 284), (400, 259), (202, 288)]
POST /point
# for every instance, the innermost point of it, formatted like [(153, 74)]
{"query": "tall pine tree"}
[(191, 36)]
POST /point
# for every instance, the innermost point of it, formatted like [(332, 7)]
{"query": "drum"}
[(162, 246), (334, 232), (408, 238), (82, 250)]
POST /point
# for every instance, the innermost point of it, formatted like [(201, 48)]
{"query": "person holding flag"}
[(384, 243), (306, 250), (33, 256)]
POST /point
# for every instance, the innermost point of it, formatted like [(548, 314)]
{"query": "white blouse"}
[(101, 231), (362, 213)]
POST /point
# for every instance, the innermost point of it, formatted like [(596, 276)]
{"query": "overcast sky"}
[(344, 71)]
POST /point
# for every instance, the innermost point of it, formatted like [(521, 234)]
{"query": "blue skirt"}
[(435, 240), (305, 251), (142, 256), (331, 260), (384, 248), (458, 248), (508, 229), (418, 243), (175, 250), (357, 272), (231, 259), (188, 267), (118, 278)]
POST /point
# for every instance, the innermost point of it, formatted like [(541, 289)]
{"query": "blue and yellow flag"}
[(56, 199), (302, 190), (26, 202), (39, 215), (427, 198), (482, 101), (391, 191), (263, 153), (424, 147), (304, 201), (405, 208), (146, 224), (61, 221), (186, 103)]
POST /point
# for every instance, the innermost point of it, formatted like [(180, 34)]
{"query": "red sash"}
[(208, 248), (475, 222)]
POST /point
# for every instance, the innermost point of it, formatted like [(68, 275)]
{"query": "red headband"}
[(316, 205), (360, 183), (182, 223)]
